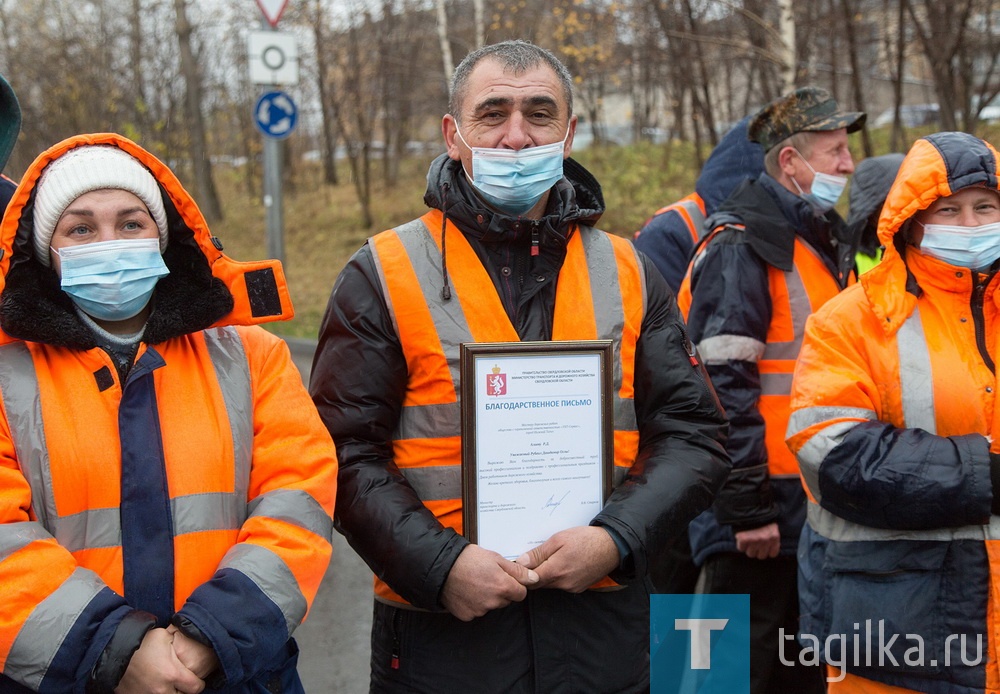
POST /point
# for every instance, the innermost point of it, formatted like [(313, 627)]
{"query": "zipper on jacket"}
[(978, 319), (396, 619), (699, 369)]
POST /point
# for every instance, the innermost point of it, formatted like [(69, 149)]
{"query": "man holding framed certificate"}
[(588, 396)]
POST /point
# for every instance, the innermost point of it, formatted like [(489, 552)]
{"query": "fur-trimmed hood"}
[(205, 288)]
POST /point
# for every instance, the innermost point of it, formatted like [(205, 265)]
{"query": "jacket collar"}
[(774, 216)]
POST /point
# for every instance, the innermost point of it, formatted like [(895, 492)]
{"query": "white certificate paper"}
[(539, 446)]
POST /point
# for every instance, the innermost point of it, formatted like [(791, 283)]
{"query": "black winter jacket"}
[(359, 377), (732, 298)]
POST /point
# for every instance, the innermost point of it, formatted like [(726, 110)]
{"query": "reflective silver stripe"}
[(814, 451), (807, 416), (800, 307), (697, 216), (15, 536), (916, 381), (624, 414), (618, 475), (835, 528), (232, 371), (210, 511), (47, 626), (609, 311), (269, 573), (428, 421), (296, 507), (386, 295), (722, 348), (605, 295), (96, 527), (435, 483), (23, 405), (448, 318), (775, 384)]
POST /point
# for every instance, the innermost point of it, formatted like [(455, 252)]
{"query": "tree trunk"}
[(208, 198), (329, 156), (786, 28), (479, 14), (852, 46), (442, 29)]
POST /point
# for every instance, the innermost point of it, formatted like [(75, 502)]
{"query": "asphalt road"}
[(334, 639)]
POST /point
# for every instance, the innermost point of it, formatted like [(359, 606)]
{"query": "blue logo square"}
[(699, 644)]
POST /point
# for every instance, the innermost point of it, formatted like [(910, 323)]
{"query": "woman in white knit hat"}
[(166, 487)]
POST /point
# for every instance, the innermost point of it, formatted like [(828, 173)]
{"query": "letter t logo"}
[(701, 639)]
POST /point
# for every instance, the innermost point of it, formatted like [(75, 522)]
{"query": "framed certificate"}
[(537, 439)]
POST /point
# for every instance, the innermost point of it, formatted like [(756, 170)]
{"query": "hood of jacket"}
[(575, 199), (732, 161), (870, 184), (205, 288), (936, 166)]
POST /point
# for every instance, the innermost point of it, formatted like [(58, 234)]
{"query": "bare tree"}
[(442, 31), (324, 87), (786, 24), (208, 198), (850, 10)]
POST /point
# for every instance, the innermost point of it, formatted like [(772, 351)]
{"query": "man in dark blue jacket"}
[(776, 254), (669, 236)]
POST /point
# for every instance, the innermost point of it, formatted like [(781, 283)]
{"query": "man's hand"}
[(573, 559), (481, 580), (196, 657), (760, 543), (155, 669)]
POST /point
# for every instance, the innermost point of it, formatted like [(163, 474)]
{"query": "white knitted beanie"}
[(87, 168)]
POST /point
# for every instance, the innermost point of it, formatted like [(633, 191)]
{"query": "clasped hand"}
[(571, 560), (168, 662)]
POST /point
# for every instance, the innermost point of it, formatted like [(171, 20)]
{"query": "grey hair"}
[(802, 142), (514, 56)]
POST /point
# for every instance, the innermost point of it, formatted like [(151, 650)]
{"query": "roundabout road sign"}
[(275, 114)]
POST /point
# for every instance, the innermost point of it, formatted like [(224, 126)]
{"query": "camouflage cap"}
[(10, 121), (807, 109)]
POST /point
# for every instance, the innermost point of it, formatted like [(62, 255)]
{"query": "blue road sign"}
[(275, 114)]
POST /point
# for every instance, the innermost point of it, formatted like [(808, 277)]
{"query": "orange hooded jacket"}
[(212, 406), (893, 407)]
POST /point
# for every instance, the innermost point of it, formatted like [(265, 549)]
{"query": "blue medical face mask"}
[(825, 191), (972, 247), (514, 180), (112, 280)]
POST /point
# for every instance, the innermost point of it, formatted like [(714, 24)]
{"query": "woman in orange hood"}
[(166, 486), (893, 423)]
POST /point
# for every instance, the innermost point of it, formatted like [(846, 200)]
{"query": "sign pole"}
[(273, 192), (273, 199)]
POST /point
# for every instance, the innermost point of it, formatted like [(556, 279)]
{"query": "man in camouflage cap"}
[(770, 262)]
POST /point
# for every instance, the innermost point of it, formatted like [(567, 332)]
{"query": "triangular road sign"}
[(272, 10)]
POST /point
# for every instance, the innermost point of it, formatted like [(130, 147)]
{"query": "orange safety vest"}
[(600, 295), (795, 296), (691, 208)]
